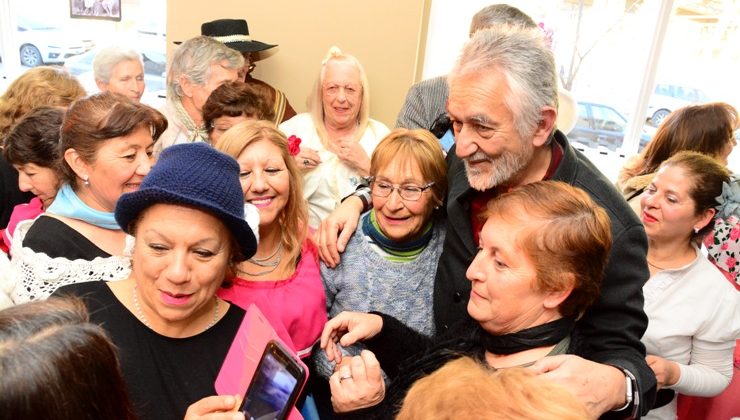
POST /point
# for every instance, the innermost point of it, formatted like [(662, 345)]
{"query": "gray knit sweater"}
[(365, 281)]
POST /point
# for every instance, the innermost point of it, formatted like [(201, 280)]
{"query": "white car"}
[(668, 98), (40, 43)]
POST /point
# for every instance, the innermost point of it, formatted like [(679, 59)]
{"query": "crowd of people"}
[(469, 263)]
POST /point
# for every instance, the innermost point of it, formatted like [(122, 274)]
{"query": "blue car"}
[(601, 126)]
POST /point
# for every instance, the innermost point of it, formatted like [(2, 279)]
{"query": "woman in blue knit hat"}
[(171, 330)]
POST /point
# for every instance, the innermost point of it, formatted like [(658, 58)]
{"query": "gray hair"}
[(498, 15), (107, 58), (193, 59), (525, 61)]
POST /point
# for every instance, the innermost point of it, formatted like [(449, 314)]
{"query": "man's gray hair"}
[(527, 65), (193, 59), (500, 15), (109, 57)]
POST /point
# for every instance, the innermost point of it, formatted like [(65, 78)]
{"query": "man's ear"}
[(186, 86), (75, 161), (545, 126), (101, 85)]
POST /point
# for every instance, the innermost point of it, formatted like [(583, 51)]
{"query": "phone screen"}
[(275, 385)]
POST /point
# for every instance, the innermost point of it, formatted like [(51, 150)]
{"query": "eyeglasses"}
[(408, 192)]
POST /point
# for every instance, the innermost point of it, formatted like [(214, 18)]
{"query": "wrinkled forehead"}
[(341, 72)]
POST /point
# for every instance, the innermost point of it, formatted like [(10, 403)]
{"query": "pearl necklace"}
[(145, 321)]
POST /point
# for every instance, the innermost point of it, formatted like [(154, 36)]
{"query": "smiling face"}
[(43, 182), (119, 166), (341, 94), (180, 260), (126, 78), (503, 298), (402, 220), (265, 179), (485, 135), (668, 211)]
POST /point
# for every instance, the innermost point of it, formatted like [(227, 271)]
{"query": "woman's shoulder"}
[(299, 121), (53, 237)]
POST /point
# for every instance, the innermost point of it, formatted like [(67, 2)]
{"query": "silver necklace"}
[(265, 262), (143, 319)]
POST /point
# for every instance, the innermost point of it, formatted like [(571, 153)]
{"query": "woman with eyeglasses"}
[(338, 134), (389, 264)]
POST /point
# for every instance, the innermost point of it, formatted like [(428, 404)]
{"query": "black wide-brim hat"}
[(234, 33), (197, 176)]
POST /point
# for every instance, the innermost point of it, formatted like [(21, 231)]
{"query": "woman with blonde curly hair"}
[(40, 86), (282, 278), (338, 134)]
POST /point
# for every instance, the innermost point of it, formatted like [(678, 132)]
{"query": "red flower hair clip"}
[(294, 145)]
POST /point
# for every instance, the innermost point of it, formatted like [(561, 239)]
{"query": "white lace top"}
[(35, 275)]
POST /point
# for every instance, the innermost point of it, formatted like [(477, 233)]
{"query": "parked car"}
[(43, 43), (601, 126), (667, 98)]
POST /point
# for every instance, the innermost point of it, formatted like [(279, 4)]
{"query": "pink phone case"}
[(245, 353)]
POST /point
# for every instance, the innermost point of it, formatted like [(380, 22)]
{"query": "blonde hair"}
[(294, 217), (39, 86), (464, 389), (316, 102), (418, 146)]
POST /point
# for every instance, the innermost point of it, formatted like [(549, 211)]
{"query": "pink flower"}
[(725, 246), (294, 145), (731, 262), (735, 233)]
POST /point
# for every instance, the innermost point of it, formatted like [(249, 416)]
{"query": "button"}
[(457, 297)]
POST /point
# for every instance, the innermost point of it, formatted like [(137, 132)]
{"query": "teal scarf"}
[(397, 251)]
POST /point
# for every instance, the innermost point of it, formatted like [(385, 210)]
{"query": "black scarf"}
[(540, 336)]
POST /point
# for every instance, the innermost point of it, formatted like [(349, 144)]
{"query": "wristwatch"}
[(632, 394)]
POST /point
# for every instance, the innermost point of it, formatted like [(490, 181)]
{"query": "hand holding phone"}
[(275, 385)]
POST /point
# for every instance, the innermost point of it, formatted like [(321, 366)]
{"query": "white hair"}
[(525, 61), (107, 58), (193, 59)]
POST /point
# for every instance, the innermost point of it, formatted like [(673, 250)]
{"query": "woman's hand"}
[(359, 385), (348, 328), (666, 372), (307, 159), (217, 407), (336, 230), (353, 155)]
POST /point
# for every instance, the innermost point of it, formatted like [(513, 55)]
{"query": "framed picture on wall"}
[(95, 9)]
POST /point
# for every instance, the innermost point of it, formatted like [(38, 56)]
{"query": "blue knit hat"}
[(198, 176)]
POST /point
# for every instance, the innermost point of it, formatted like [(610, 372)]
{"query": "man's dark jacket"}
[(611, 329)]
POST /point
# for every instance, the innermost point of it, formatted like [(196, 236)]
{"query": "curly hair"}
[(37, 87)]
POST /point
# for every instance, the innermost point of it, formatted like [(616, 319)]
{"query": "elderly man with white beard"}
[(503, 106)]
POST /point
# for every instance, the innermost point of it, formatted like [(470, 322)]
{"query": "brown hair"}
[(92, 120), (54, 364), (233, 99), (294, 217), (38, 86), (35, 138), (705, 176), (419, 146), (464, 389), (705, 128), (568, 238)]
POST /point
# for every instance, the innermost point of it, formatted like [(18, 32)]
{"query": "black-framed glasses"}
[(408, 192)]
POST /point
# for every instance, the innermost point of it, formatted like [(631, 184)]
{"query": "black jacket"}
[(611, 329)]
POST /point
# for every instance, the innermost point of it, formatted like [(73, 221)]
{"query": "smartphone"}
[(275, 385)]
